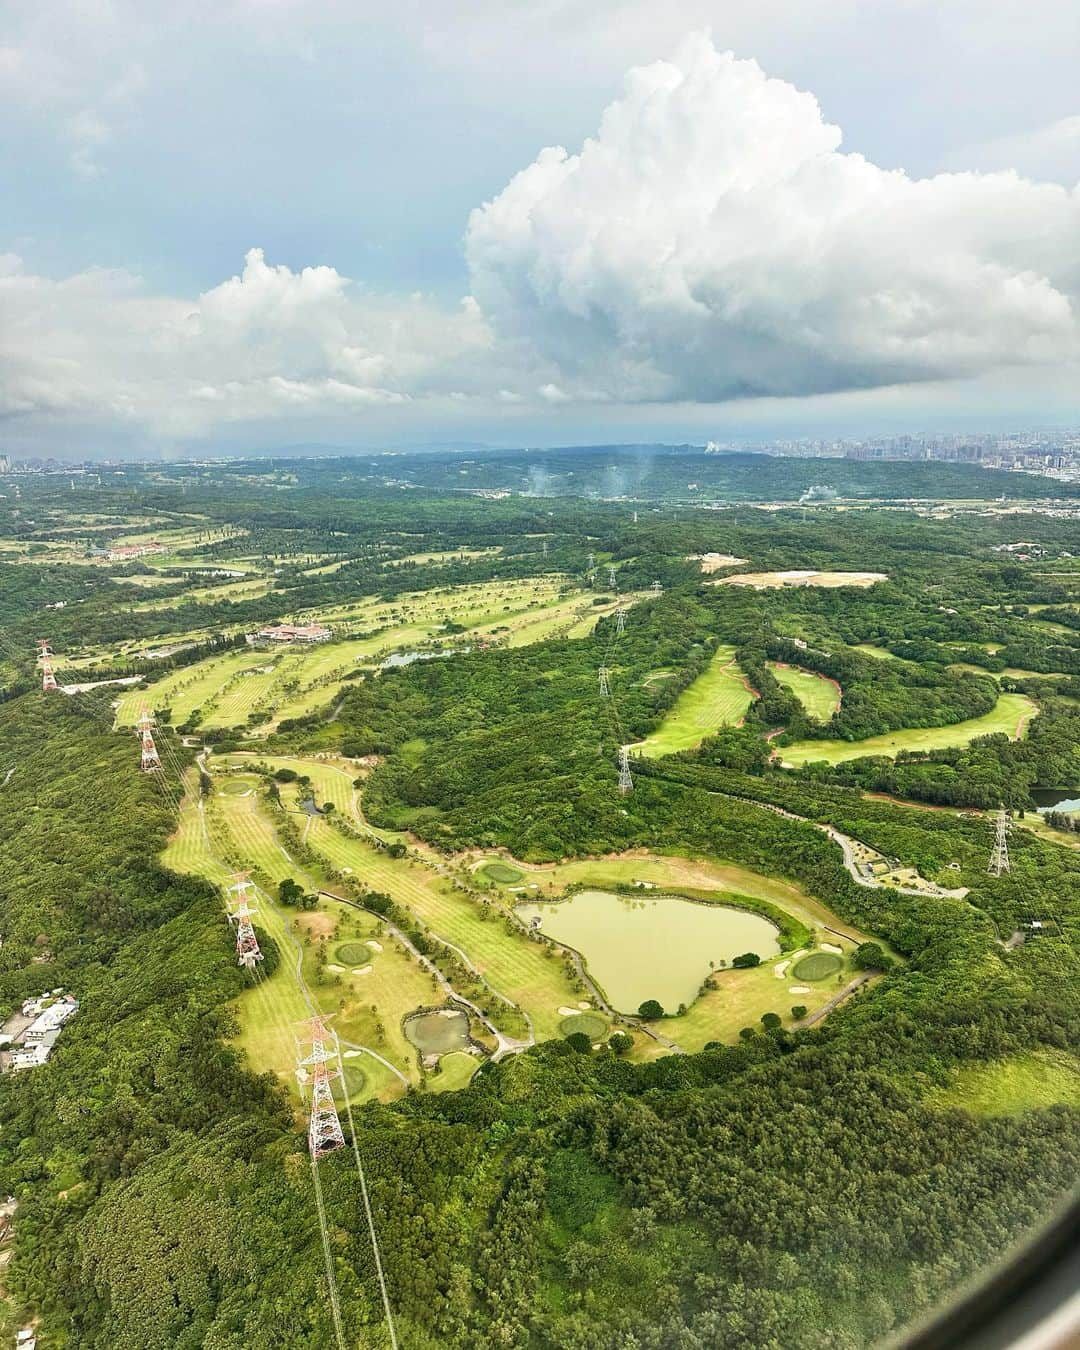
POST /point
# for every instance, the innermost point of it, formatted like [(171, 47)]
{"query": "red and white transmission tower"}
[(151, 761), (247, 944), (48, 679), (324, 1129)]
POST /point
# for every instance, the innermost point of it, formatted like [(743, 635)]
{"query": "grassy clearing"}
[(878, 653), (1006, 1087), (819, 695), (717, 698), (1011, 716)]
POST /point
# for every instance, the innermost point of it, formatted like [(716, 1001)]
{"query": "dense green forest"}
[(799, 1188)]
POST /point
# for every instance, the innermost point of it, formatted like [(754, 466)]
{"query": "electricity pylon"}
[(999, 854), (656, 588), (324, 1128), (620, 621), (612, 578), (48, 679), (247, 944), (626, 783), (605, 688), (591, 563), (150, 760)]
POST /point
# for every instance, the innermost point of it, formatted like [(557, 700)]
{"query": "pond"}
[(657, 946), (438, 1033), (1066, 800), (396, 659)]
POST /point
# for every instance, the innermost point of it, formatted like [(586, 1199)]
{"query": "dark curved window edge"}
[(1024, 1292)]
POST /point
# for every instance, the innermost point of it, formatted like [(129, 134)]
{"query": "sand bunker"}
[(568, 1012), (336, 969), (831, 947), (363, 970), (781, 968), (798, 989), (375, 946)]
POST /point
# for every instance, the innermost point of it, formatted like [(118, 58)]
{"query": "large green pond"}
[(651, 946)]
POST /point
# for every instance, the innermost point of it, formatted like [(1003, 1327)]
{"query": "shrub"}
[(650, 1010), (746, 961)]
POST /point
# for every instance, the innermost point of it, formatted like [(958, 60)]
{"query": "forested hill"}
[(156, 1177), (747, 1196)]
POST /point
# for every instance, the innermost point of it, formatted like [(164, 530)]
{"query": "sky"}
[(256, 225)]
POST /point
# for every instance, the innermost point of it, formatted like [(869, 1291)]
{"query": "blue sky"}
[(713, 261)]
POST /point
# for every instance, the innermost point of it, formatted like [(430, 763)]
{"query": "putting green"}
[(355, 1079), (354, 954), (817, 966), (1011, 715), (592, 1024), (500, 872)]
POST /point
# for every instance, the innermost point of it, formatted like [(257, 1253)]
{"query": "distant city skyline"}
[(263, 227)]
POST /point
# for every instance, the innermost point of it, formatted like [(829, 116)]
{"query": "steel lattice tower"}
[(605, 688), (612, 578), (324, 1128), (591, 562), (48, 679), (656, 588), (620, 621), (247, 944), (999, 854), (150, 760), (626, 783)]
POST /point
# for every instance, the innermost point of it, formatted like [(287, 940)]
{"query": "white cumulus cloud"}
[(713, 242), (265, 341)]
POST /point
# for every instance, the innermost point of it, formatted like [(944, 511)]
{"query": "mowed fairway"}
[(717, 698), (1011, 716), (819, 696), (517, 968)]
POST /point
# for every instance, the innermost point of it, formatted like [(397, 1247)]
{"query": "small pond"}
[(638, 947), (407, 658), (1056, 799), (438, 1033)]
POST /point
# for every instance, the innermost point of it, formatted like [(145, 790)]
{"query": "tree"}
[(770, 1021), (290, 892), (328, 808), (798, 1012), (869, 956), (578, 1041), (651, 1010), (746, 961), (621, 1042)]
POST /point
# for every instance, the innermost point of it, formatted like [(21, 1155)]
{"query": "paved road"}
[(836, 999)]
